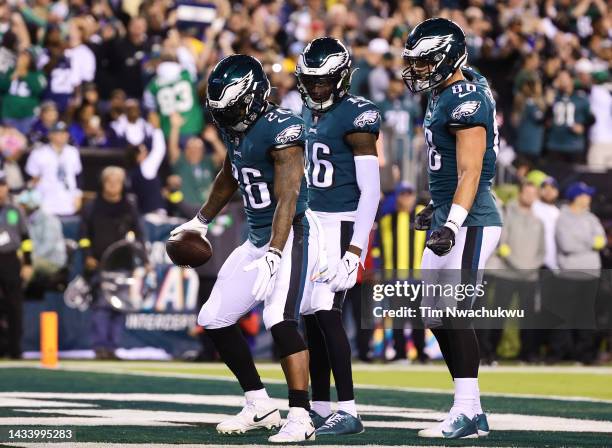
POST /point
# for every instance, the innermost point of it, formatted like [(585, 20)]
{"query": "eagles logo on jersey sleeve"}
[(284, 128), (289, 134), (467, 107), (365, 116)]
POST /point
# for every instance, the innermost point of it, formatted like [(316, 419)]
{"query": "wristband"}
[(202, 219), (456, 217), (275, 251)]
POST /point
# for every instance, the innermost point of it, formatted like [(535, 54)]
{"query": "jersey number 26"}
[(257, 193)]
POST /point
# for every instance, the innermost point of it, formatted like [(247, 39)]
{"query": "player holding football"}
[(462, 143), (344, 190), (265, 160)]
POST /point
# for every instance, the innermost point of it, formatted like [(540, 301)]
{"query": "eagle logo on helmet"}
[(367, 117), (329, 66), (233, 91), (427, 45), (465, 109), (289, 134)]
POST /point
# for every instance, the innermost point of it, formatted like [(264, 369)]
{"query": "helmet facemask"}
[(320, 92), (236, 116), (424, 73), (420, 72)]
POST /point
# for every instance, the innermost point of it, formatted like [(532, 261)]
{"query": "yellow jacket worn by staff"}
[(398, 247)]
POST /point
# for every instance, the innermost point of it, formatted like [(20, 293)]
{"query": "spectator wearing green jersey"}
[(528, 118), (569, 116), (173, 90), (193, 169), (22, 88), (400, 110)]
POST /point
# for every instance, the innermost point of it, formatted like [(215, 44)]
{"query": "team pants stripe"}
[(471, 250), (299, 263), (346, 233)]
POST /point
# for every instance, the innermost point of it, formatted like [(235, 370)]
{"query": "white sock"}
[(323, 408), (466, 389), (477, 405), (348, 407), (253, 395)]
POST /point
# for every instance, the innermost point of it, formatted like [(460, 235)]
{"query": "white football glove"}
[(194, 224), (267, 267), (346, 273)]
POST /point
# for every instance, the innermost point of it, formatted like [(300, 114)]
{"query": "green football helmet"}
[(237, 91), (324, 73), (434, 50)]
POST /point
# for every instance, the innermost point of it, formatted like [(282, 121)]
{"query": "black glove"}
[(422, 221), (441, 241)]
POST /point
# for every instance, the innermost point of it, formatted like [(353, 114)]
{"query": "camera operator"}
[(109, 218)]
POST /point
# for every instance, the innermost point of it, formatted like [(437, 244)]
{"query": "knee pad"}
[(287, 338), (204, 318), (211, 314), (209, 321)]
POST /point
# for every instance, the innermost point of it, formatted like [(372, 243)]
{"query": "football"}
[(188, 249)]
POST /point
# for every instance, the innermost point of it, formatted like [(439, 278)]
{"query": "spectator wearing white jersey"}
[(600, 135), (545, 208), (130, 128), (54, 169), (82, 59)]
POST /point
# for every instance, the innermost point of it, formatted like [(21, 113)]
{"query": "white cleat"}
[(457, 426), (258, 414), (297, 428)]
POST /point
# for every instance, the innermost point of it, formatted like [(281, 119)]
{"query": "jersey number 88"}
[(434, 158)]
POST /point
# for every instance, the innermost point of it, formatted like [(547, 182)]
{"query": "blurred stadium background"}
[(121, 83)]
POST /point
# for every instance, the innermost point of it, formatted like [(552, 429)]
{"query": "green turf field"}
[(154, 404)]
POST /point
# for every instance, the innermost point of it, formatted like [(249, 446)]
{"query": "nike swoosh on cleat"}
[(308, 436), (257, 419)]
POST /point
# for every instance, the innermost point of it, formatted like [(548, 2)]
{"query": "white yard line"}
[(36, 407), (358, 366), (131, 368), (167, 445)]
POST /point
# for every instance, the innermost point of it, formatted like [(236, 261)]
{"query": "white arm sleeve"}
[(368, 180), (150, 165)]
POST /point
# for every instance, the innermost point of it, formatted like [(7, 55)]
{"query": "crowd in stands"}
[(129, 77)]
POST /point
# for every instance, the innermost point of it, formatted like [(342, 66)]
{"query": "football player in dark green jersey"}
[(265, 161), (343, 192), (462, 144)]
